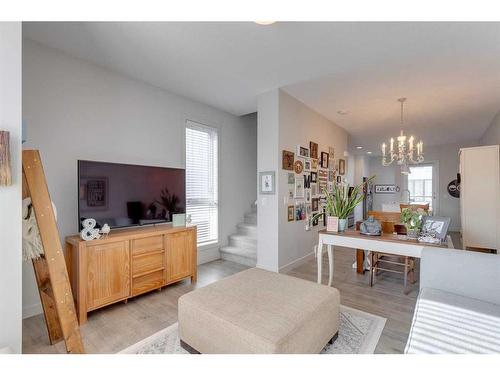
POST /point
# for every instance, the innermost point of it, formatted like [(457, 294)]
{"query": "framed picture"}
[(386, 189), (438, 226), (315, 204), (308, 209), (291, 191), (313, 150), (303, 152), (300, 210), (336, 165), (308, 195), (287, 160), (96, 197), (339, 179), (307, 165), (314, 164), (314, 190), (331, 152), (315, 222), (266, 182), (299, 188), (324, 159), (291, 213), (342, 166), (314, 177), (291, 178), (331, 176), (298, 166)]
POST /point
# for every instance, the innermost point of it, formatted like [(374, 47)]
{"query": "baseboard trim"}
[(297, 262), (208, 254), (32, 310)]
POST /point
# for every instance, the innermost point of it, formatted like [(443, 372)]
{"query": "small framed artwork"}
[(331, 176), (315, 222), (300, 210), (291, 191), (314, 190), (313, 150), (308, 209), (386, 189), (339, 179), (287, 160), (299, 188), (291, 178), (314, 177), (324, 159), (315, 204), (291, 213), (331, 152), (307, 165), (308, 195), (302, 152), (342, 166), (314, 164), (267, 183), (298, 166)]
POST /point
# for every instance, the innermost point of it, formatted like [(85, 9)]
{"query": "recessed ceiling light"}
[(343, 112), (264, 23), (369, 152), (359, 147)]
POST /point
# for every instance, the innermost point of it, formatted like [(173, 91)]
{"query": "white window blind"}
[(201, 180)]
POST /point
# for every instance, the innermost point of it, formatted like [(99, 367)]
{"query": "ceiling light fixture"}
[(264, 23), (369, 152), (405, 154), (343, 112), (359, 147)]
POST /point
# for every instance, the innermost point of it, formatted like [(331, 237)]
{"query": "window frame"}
[(200, 124)]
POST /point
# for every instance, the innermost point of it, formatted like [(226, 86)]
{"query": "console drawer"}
[(147, 262), (147, 282), (147, 244)]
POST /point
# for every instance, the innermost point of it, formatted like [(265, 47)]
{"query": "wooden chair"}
[(415, 206), (379, 261)]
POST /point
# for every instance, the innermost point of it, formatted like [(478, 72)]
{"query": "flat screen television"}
[(125, 195)]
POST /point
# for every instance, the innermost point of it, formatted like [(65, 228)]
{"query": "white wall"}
[(78, 110), (361, 168), (10, 196), (448, 160), (492, 135), (283, 123)]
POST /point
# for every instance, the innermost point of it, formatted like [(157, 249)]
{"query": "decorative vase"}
[(412, 232), (342, 225), (332, 224)]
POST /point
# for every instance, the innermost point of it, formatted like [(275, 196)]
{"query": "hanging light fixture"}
[(406, 149)]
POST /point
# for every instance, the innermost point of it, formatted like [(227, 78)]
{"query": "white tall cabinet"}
[(480, 197)]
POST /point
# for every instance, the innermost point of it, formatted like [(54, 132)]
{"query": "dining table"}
[(389, 243)]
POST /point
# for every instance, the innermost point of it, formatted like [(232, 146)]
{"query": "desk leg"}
[(319, 255), (330, 264), (360, 261)]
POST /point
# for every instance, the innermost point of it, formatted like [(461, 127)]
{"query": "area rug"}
[(359, 333)]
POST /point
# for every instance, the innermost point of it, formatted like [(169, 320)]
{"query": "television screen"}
[(124, 195)]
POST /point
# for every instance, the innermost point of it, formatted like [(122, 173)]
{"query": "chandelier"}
[(406, 148)]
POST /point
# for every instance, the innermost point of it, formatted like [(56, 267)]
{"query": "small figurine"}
[(371, 227), (105, 230)]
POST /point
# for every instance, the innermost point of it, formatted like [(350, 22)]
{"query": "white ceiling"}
[(450, 72)]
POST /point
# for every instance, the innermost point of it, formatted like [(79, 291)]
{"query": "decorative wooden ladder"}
[(50, 270)]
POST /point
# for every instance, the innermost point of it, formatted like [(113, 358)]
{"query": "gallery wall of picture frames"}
[(311, 172)]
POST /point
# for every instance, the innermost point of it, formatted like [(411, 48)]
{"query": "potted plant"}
[(170, 202), (412, 219), (341, 201)]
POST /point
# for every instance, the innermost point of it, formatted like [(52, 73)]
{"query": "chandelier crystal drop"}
[(408, 151)]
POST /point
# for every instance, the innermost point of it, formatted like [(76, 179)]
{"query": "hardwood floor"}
[(116, 327)]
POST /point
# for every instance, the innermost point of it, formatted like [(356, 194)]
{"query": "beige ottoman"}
[(257, 311)]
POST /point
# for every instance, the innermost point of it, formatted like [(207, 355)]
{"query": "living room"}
[(251, 187)]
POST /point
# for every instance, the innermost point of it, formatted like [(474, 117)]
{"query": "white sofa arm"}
[(466, 273)]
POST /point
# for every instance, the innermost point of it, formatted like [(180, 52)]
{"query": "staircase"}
[(242, 247)]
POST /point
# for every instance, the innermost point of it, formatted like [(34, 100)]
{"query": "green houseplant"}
[(412, 219), (339, 203)]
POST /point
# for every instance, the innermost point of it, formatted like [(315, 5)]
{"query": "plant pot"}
[(412, 232), (342, 225), (332, 224)]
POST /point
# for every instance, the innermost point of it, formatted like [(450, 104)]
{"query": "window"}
[(420, 184), (201, 180)]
